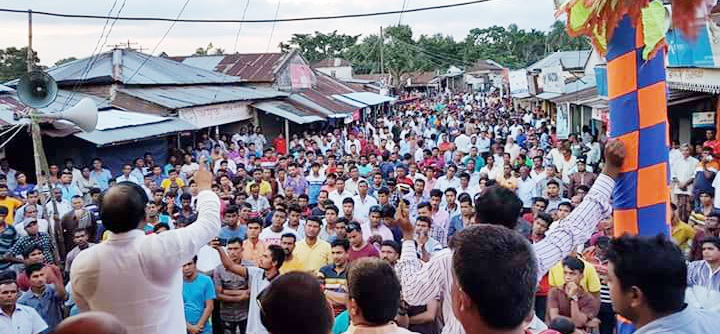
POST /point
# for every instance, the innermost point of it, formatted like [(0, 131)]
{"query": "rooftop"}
[(569, 60), (251, 67)]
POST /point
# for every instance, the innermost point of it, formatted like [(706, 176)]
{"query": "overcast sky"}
[(57, 38)]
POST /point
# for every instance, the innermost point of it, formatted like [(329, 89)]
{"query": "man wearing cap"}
[(580, 178)]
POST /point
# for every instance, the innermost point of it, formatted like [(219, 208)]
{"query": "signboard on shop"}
[(704, 119), (218, 114), (553, 80), (518, 83)]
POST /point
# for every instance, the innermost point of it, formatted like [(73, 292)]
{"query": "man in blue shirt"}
[(231, 228), (198, 298), (46, 299), (100, 174)]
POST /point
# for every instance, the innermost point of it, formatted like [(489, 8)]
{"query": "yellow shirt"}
[(683, 233), (313, 257), (293, 265), (590, 281), (265, 187), (165, 184), (11, 204)]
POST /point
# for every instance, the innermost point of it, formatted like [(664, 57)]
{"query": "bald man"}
[(91, 322)]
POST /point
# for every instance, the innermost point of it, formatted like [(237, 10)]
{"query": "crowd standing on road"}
[(302, 215)]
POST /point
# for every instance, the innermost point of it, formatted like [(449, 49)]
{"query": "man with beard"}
[(79, 217)]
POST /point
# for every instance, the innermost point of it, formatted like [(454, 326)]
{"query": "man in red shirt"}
[(359, 247), (280, 144)]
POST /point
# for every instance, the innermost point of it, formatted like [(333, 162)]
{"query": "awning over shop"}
[(371, 99), (288, 111), (116, 126), (522, 96), (548, 96), (349, 101), (320, 104)]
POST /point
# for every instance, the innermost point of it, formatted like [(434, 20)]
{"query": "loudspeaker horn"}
[(37, 89), (84, 115)]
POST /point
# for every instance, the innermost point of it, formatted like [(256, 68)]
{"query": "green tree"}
[(438, 52), (559, 40), (209, 50), (13, 62), (319, 46), (400, 52), (65, 60)]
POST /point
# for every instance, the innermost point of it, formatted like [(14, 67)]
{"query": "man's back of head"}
[(123, 207), (374, 292), (646, 276), (498, 206), (310, 312), (496, 277)]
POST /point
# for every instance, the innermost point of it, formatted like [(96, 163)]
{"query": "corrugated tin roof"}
[(580, 84), (566, 59), (251, 67), (484, 65), (154, 71), (326, 102), (189, 96), (368, 98), (139, 127), (288, 111)]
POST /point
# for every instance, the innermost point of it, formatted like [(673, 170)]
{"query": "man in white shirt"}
[(682, 174), (351, 184), (363, 202), (132, 272), (462, 142), (272, 234), (127, 176), (339, 194), (14, 317), (448, 180), (512, 148)]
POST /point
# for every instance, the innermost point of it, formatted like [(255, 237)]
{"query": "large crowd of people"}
[(455, 213)]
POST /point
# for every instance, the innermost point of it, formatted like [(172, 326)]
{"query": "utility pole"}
[(382, 60), (42, 175), (30, 58)]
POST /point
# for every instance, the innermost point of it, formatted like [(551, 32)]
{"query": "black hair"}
[(378, 303), (436, 193), (277, 254), (31, 248), (3, 209), (159, 226), (655, 266), (289, 235), (424, 205), (303, 291), (392, 243), (424, 219), (568, 204), (231, 209), (552, 181), (255, 221), (8, 277), (81, 229), (712, 240), (123, 207), (540, 199), (505, 298), (332, 207), (564, 325), (344, 243), (498, 205), (545, 217), (387, 212), (29, 270), (451, 190), (235, 240), (465, 198), (574, 264), (294, 208), (384, 191), (347, 200), (317, 219)]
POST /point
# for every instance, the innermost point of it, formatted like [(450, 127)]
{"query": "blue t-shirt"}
[(342, 322), (227, 234), (195, 294)]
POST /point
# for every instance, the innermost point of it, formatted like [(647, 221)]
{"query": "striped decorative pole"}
[(638, 118)]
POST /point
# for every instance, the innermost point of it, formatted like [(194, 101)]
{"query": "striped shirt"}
[(421, 283), (700, 273)]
